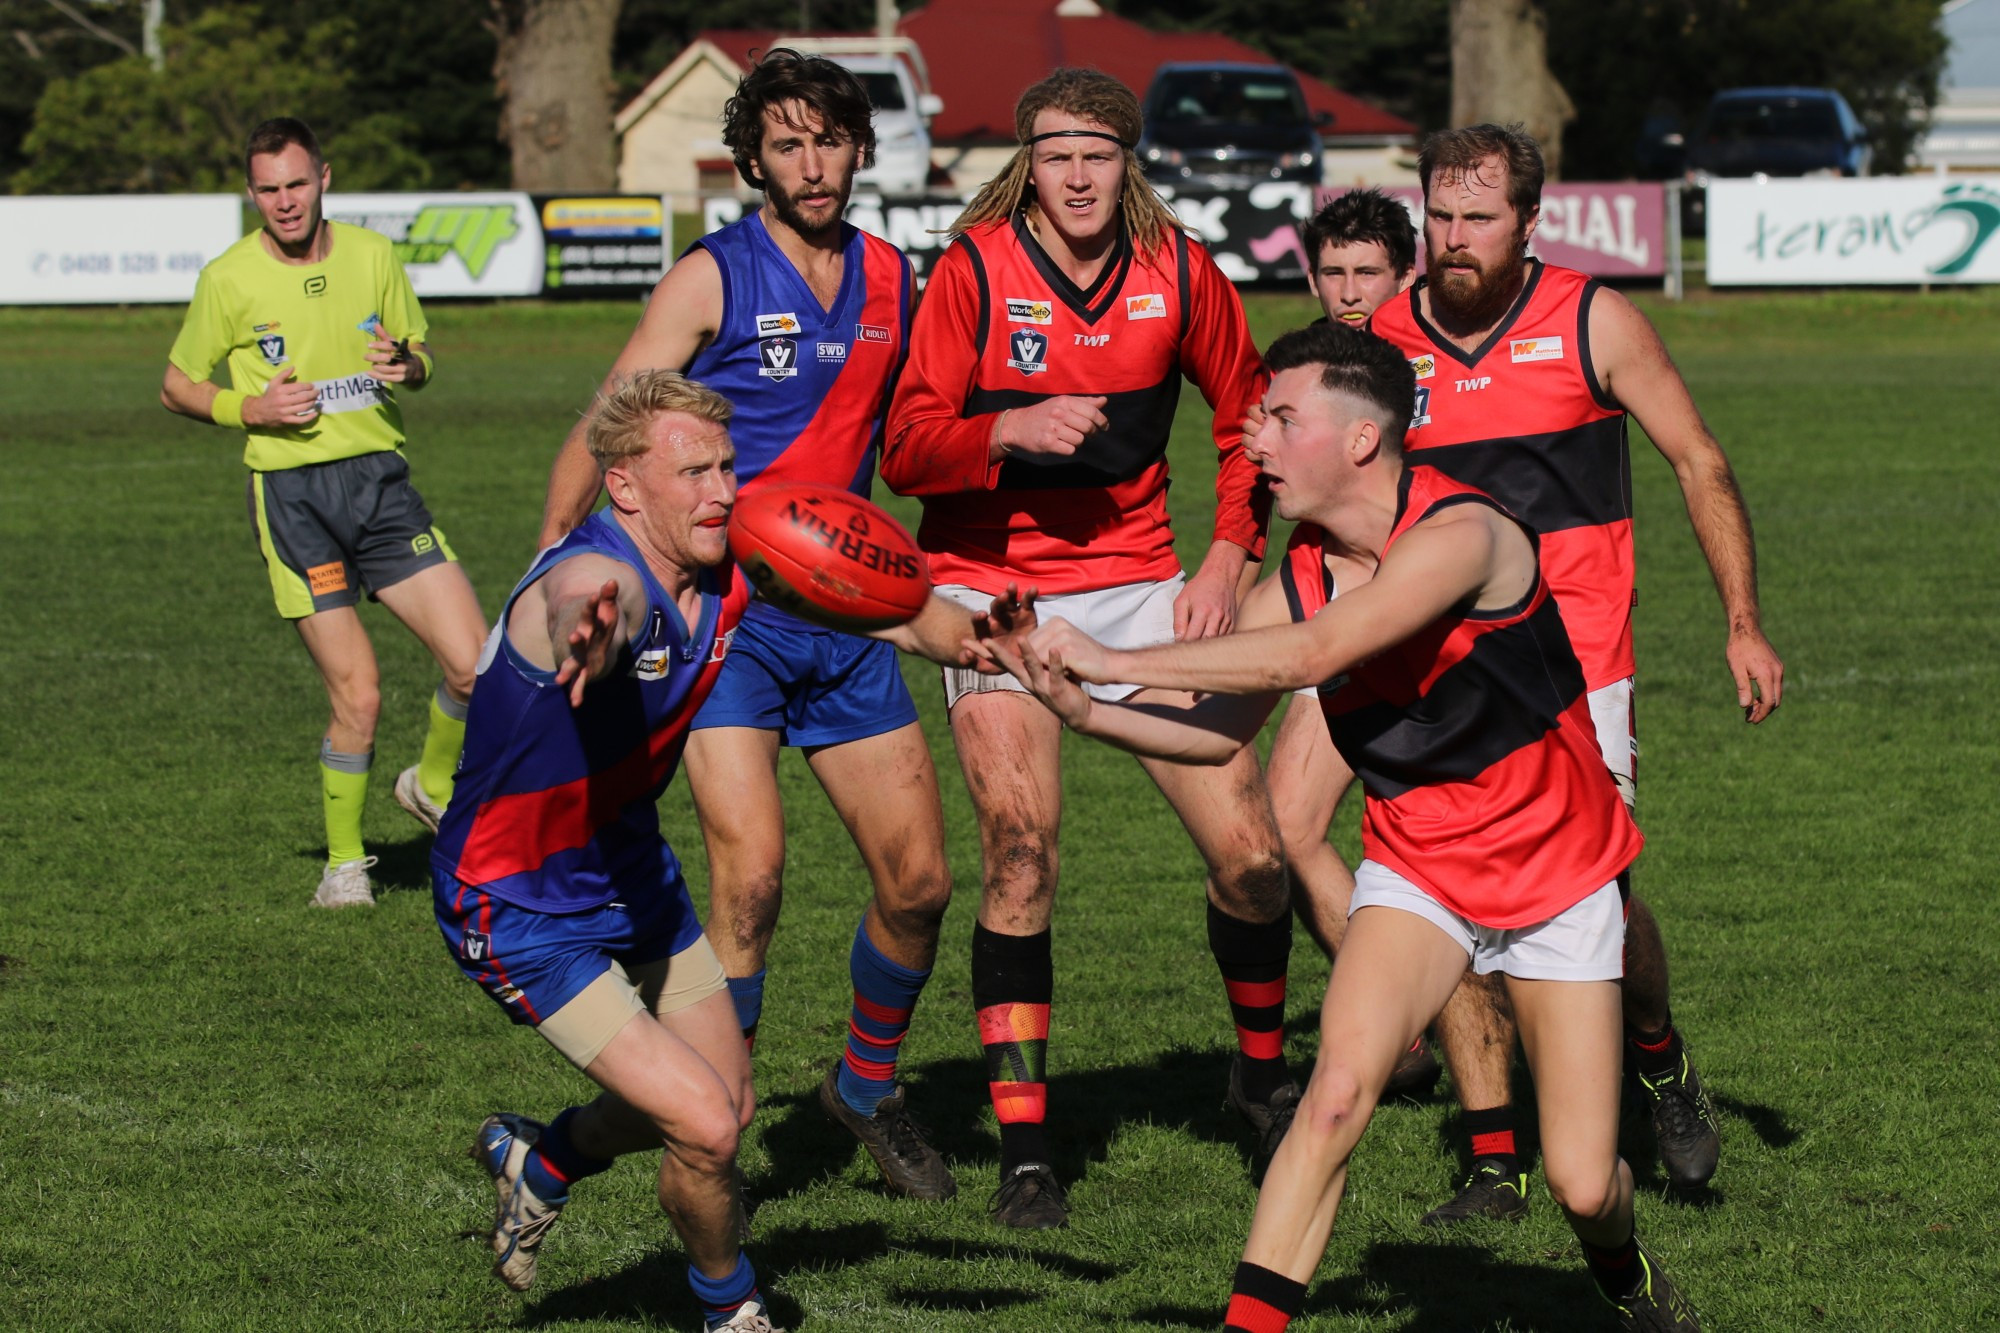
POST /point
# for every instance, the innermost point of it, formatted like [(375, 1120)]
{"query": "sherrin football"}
[(828, 556)]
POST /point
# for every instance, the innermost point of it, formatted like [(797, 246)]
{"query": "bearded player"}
[(555, 891), (1032, 420), (802, 321), (1526, 374), (1494, 836)]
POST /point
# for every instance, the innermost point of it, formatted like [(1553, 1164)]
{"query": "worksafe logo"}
[(473, 232)]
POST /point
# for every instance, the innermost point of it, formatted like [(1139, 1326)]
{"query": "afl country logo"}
[(780, 357), (1031, 351), (272, 345), (1425, 366), (477, 946), (1020, 311)]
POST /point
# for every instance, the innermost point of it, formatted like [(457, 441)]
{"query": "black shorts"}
[(331, 531)]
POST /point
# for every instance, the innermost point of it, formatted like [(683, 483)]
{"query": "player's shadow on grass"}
[(1176, 1090), (1443, 1288)]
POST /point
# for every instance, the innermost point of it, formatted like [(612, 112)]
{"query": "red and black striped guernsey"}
[(1524, 418), (1474, 744)]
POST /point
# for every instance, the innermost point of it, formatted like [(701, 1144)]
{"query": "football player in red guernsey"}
[(1525, 376), (1032, 420), (1494, 836)]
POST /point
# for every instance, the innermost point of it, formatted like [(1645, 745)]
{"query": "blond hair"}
[(1087, 94), (621, 427)]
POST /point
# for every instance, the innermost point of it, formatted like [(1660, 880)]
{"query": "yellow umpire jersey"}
[(264, 315)]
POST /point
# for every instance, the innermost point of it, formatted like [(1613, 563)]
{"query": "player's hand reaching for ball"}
[(1045, 677), (1082, 656), (593, 642), (1056, 426), (286, 402), (1009, 619)]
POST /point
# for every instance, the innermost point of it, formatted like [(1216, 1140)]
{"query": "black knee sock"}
[(1655, 1055), (1013, 981), (1492, 1135), (1253, 957), (1615, 1269), (1261, 1301)]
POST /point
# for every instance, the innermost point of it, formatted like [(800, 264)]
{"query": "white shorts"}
[(1131, 615), (1585, 942), (1617, 723)]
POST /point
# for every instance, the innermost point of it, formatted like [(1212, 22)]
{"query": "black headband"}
[(1079, 134)]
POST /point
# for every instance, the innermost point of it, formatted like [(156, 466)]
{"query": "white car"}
[(902, 119)]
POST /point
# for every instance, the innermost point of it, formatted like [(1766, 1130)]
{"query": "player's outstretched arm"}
[(1635, 370), (286, 402), (951, 635), (679, 320), (576, 620)]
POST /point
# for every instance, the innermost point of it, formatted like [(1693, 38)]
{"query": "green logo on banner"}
[(470, 231), (1980, 209)]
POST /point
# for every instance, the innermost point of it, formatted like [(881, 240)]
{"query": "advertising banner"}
[(474, 244), (602, 245), (1607, 231), (110, 249), (1907, 229)]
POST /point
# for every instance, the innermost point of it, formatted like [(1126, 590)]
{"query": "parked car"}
[(1774, 132), (1229, 125), (902, 124)]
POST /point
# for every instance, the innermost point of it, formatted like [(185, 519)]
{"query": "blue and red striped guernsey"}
[(810, 386), (1474, 744), (554, 809), (1524, 418)]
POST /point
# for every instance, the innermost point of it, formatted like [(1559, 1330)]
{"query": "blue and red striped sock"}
[(554, 1163), (722, 1297), (885, 994), (747, 994)]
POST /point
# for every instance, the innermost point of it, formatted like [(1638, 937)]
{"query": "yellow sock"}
[(344, 792), (442, 743)]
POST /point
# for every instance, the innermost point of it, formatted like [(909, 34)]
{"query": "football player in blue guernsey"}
[(802, 321), (553, 887)]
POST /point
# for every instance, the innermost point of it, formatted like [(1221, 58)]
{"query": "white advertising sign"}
[(1896, 229), (471, 244), (111, 249)]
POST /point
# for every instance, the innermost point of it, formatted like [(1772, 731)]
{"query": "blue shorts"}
[(533, 963), (811, 686)]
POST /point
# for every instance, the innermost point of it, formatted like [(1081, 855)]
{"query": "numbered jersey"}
[(554, 808), (1474, 744), (1003, 328), (317, 320), (1524, 419)]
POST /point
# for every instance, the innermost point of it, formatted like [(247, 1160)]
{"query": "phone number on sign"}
[(143, 261)]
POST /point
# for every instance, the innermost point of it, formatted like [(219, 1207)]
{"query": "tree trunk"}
[(1500, 72), (553, 68)]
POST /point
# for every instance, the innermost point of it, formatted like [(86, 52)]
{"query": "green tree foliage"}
[(40, 44), (124, 127), (1620, 59)]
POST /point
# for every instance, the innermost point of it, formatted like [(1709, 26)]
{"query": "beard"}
[(1478, 299), (793, 215)]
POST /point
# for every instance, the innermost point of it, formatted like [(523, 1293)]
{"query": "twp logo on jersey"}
[(1022, 311), (476, 946), (1535, 349), (1424, 366), (473, 232), (1150, 306), (780, 357), (1031, 351), (272, 345), (1093, 339), (776, 326), (1473, 385)]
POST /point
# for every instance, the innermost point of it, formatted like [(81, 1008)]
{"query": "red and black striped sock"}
[(1013, 981), (1253, 958), (1261, 1301), (1655, 1055), (1492, 1135)]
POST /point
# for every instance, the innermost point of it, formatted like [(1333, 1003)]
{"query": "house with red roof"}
[(979, 55)]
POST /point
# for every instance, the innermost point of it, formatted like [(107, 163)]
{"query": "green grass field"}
[(221, 1110)]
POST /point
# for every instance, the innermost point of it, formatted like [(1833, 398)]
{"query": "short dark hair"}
[(1463, 149), (1354, 361), (276, 135), (1360, 216), (783, 75)]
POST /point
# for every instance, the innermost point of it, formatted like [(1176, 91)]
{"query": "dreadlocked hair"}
[(1087, 94)]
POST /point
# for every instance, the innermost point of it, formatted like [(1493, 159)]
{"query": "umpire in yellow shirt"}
[(319, 323)]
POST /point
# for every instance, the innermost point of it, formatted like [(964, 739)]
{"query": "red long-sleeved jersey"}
[(1002, 327)]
